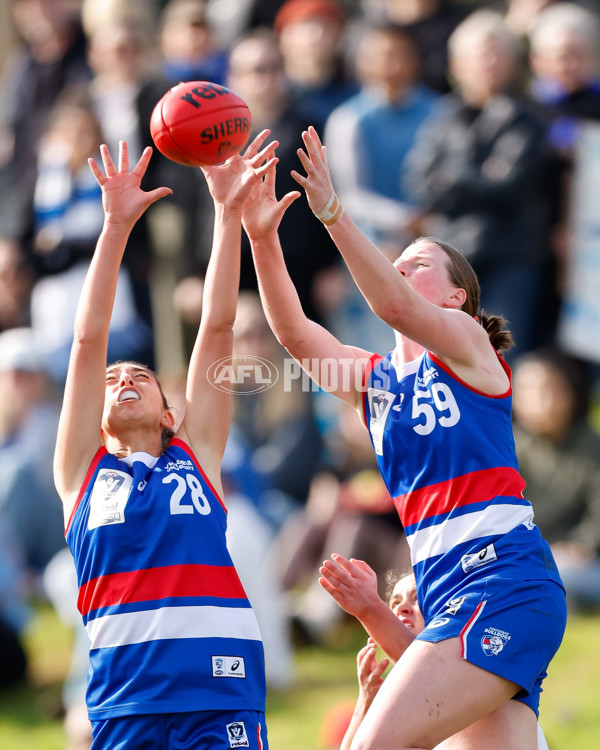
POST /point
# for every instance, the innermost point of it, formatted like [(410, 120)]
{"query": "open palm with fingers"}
[(122, 197), (352, 583), (262, 212), (317, 181), (231, 183)]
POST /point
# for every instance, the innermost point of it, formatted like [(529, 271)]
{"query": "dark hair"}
[(575, 373), (462, 275), (383, 26), (167, 433), (258, 33)]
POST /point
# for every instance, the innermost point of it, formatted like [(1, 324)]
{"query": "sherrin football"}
[(200, 123)]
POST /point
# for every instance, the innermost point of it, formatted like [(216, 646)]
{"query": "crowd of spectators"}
[(461, 119)]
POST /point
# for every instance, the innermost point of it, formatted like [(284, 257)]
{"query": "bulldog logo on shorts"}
[(494, 641)]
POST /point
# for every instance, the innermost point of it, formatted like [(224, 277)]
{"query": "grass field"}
[(570, 711)]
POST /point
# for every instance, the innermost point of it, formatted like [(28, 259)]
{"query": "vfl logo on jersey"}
[(109, 498), (228, 666), (429, 374), (236, 733), (380, 403), (477, 559), (494, 641), (453, 605)]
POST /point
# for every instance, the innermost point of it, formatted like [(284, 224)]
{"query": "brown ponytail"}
[(495, 325)]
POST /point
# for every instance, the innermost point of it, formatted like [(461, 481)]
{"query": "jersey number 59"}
[(446, 412)]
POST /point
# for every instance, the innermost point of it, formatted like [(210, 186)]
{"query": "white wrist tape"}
[(332, 211)]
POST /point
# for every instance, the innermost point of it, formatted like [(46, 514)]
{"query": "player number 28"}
[(179, 499), (445, 404)]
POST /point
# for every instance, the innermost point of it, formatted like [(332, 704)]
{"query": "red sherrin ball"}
[(200, 123)]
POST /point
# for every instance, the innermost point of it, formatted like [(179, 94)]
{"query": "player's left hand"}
[(352, 583), (317, 181), (231, 183)]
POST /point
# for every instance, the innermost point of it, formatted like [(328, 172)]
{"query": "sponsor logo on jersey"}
[(236, 733), (398, 407), (477, 559), (439, 622), (493, 641), (228, 666), (453, 605), (181, 464), (429, 374)]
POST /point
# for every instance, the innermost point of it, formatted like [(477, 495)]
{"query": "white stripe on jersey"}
[(173, 622), (440, 538)]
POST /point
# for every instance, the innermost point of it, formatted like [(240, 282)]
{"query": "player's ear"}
[(167, 420), (457, 298)]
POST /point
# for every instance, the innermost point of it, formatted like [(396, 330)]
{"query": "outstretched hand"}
[(122, 197), (352, 583), (231, 183), (262, 212), (317, 181), (370, 672)]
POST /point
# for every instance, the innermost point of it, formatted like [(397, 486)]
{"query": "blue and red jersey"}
[(170, 625), (446, 453)]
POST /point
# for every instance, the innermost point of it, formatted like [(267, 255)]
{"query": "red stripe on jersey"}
[(186, 449), (475, 487), (100, 453), (453, 375), (159, 583)]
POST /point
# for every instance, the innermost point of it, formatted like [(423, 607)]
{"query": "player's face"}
[(132, 393), (404, 605), (424, 265)]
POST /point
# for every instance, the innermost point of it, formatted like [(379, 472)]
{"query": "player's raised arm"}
[(207, 413), (353, 585), (79, 430), (436, 324), (336, 367)]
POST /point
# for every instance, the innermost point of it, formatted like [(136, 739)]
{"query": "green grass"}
[(571, 698), (326, 679)]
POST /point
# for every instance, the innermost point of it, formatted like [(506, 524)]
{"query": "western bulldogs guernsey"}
[(446, 453), (170, 625)]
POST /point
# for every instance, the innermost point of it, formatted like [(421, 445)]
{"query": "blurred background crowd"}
[(472, 120)]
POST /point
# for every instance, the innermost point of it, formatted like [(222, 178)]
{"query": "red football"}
[(199, 123)]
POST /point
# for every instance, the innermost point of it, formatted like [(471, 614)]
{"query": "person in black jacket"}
[(476, 168), (256, 74)]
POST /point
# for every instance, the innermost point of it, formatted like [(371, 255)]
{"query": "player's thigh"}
[(430, 694), (512, 726)]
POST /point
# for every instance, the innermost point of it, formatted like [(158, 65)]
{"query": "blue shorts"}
[(511, 628), (196, 730)]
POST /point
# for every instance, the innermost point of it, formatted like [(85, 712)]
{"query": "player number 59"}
[(445, 404)]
